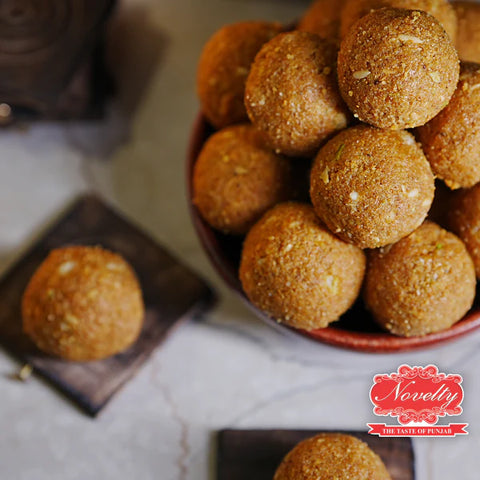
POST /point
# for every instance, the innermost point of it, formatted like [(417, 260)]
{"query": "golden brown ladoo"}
[(371, 187), (442, 10), (423, 284), (464, 220), (292, 95), (323, 19), (296, 271), (237, 179), (224, 66), (332, 456), (451, 140), (468, 36), (397, 68), (83, 303)]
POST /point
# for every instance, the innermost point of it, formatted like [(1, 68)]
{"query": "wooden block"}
[(171, 291), (256, 454), (51, 63)]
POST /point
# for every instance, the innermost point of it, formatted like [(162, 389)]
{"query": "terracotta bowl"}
[(356, 329)]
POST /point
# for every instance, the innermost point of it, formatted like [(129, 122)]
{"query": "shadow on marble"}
[(134, 51)]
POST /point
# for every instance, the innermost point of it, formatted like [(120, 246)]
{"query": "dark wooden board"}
[(171, 293), (256, 454)]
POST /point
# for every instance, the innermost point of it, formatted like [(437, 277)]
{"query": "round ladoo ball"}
[(224, 66), (423, 284), (442, 10), (83, 303), (468, 37), (464, 220), (237, 179), (451, 140), (296, 271), (292, 95), (332, 456), (397, 68), (323, 19), (371, 187)]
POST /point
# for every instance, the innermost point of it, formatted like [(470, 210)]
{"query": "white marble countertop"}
[(227, 370)]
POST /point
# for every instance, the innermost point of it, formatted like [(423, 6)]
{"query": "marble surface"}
[(226, 370)]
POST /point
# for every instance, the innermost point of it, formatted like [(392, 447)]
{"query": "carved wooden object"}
[(43, 45)]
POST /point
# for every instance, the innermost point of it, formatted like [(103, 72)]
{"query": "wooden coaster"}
[(171, 292), (256, 454)]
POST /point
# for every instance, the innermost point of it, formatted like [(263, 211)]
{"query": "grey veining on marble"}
[(227, 370)]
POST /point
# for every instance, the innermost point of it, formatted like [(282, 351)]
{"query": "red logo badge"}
[(418, 397)]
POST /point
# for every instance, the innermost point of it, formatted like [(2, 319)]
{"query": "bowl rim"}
[(346, 339)]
